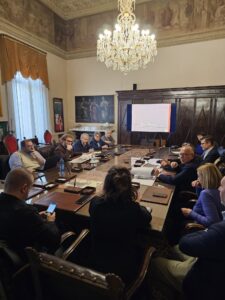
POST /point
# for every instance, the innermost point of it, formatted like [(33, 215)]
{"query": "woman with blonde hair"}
[(208, 209)]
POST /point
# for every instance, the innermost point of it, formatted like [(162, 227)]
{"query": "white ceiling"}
[(69, 9)]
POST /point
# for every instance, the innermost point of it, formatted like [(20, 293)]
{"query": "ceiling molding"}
[(70, 9), (29, 38)]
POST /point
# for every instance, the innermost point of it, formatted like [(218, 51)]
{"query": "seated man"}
[(186, 172), (20, 224), (107, 138), (82, 145), (210, 153), (200, 267), (27, 157), (65, 149), (96, 142)]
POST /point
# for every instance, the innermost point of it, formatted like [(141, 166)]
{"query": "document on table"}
[(148, 182), (84, 182), (83, 158)]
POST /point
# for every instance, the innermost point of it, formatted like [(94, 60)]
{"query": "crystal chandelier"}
[(127, 48)]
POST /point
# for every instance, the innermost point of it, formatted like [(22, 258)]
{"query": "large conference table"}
[(97, 175)]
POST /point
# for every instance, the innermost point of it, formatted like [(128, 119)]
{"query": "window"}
[(29, 107)]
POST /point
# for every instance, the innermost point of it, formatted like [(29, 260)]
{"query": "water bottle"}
[(61, 167)]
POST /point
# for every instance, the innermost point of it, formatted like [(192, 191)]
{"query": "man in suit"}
[(20, 224), (184, 173), (199, 266), (210, 153), (97, 143), (82, 145), (27, 157)]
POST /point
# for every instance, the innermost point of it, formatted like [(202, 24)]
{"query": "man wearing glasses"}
[(185, 172), (65, 147)]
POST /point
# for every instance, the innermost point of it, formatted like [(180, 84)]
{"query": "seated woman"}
[(208, 209), (116, 218)]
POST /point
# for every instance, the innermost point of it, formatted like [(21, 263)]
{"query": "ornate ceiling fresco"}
[(42, 23), (70, 9)]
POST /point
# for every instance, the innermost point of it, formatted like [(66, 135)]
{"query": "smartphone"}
[(51, 208)]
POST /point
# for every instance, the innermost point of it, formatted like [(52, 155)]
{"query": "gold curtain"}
[(16, 56)]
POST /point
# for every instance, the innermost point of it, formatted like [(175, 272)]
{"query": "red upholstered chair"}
[(11, 143), (48, 137)]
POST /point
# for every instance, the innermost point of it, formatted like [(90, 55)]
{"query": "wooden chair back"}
[(11, 143), (55, 278)]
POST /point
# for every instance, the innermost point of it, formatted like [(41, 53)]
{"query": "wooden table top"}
[(159, 211)]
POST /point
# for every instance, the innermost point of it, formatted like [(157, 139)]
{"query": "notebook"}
[(64, 201), (157, 195)]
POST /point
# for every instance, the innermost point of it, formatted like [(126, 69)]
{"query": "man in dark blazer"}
[(210, 153), (184, 173), (97, 143), (198, 266), (82, 145), (20, 224)]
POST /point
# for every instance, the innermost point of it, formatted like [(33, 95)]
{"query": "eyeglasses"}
[(69, 141)]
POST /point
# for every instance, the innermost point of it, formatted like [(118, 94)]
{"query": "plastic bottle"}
[(61, 167)]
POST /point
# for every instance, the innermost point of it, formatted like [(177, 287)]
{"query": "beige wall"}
[(189, 65), (57, 84), (197, 64)]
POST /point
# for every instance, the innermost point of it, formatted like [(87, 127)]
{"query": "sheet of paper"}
[(84, 182), (83, 158), (148, 182), (153, 161)]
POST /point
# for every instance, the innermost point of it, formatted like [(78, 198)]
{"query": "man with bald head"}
[(186, 172), (82, 145), (20, 224)]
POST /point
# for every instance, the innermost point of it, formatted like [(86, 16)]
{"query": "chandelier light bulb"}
[(126, 48), (117, 27)]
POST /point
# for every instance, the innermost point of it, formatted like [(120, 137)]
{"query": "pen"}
[(74, 183)]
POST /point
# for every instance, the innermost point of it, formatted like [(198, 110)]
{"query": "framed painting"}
[(58, 114), (3, 129), (1, 113), (94, 109)]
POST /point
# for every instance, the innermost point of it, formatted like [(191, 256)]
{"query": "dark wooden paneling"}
[(198, 109)]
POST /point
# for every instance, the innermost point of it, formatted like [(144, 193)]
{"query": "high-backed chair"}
[(4, 166), (11, 143), (15, 277), (48, 137), (55, 278), (13, 273)]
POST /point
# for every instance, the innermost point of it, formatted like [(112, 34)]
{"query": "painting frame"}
[(95, 109), (58, 115)]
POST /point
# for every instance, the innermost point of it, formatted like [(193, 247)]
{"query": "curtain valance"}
[(17, 56)]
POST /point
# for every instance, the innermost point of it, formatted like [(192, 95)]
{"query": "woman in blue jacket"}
[(208, 209)]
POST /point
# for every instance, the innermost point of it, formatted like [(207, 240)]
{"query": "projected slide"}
[(151, 117)]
